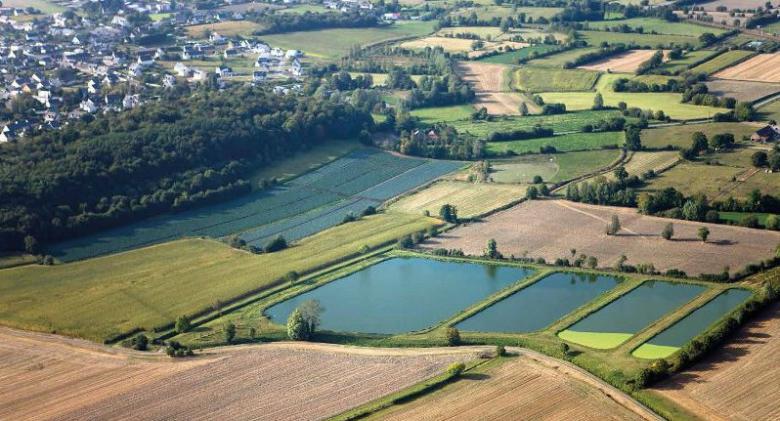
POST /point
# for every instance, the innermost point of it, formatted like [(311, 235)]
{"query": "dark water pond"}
[(540, 304), (402, 294)]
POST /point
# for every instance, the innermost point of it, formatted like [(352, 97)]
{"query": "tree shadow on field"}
[(200, 329), (475, 376)]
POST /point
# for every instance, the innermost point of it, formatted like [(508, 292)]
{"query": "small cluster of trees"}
[(304, 320), (274, 23)]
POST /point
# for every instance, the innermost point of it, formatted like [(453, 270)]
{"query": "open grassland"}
[(742, 90), (558, 122), (563, 143), (552, 168), (680, 136), (490, 81), (484, 32), (761, 68), (303, 8), (559, 59), (488, 12), (532, 79), (470, 199), (770, 111), (737, 381), (46, 376), (332, 44), (626, 62), (642, 40), (450, 113), (577, 164), (306, 205), (514, 56), (13, 259), (154, 285), (453, 45), (658, 26), (541, 229), (681, 64), (520, 387), (722, 61), (230, 28), (669, 102)]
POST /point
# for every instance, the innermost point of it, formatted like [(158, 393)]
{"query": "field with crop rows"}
[(563, 143), (759, 68), (642, 162), (532, 79), (330, 187), (626, 62), (46, 376), (551, 236), (721, 61), (742, 90), (154, 285), (558, 122), (470, 199)]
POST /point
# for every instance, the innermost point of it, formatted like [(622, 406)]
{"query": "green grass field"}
[(559, 59), (770, 111), (514, 56), (576, 164), (564, 143), (680, 136), (658, 26), (558, 122), (689, 178), (330, 44), (669, 102), (303, 8), (470, 199), (488, 12), (443, 114), (230, 28), (722, 61), (149, 287), (654, 352), (737, 217), (644, 40), (595, 340), (523, 169), (682, 64), (533, 79)]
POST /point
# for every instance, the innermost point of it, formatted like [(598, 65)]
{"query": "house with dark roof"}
[(768, 133)]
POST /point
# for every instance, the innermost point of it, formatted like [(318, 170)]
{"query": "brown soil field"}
[(51, 377), (733, 4), (760, 68), (551, 228), (529, 386), (739, 381), (742, 90), (489, 82), (626, 62)]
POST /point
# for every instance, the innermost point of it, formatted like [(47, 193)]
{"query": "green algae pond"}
[(402, 294), (676, 336), (619, 320), (540, 304)]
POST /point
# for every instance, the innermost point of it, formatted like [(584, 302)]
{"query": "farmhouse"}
[(768, 133)]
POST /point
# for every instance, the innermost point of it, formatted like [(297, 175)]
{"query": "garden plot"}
[(760, 68), (50, 377), (621, 319), (551, 228), (347, 184), (626, 62)]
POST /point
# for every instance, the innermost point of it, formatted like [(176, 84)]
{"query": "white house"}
[(181, 69), (88, 106)]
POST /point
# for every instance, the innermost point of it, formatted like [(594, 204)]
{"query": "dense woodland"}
[(166, 155)]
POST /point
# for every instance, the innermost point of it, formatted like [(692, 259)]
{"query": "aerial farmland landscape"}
[(390, 210)]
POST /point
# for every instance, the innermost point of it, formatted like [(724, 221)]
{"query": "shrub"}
[(140, 342), (455, 369), (277, 244), (668, 232), (453, 336), (182, 324), (230, 332), (500, 351)]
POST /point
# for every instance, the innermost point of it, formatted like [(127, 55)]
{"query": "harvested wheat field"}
[(47, 377), (742, 90), (760, 68), (470, 199), (737, 382), (551, 228), (626, 62), (530, 387), (490, 81)]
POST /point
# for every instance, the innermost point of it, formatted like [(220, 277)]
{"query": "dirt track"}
[(739, 381), (531, 386), (488, 80), (551, 228), (48, 377)]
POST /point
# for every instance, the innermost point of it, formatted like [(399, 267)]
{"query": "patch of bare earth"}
[(50, 377), (759, 68), (551, 228), (739, 381), (627, 62), (529, 387), (489, 82)]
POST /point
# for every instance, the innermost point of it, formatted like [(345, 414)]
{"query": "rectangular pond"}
[(621, 319), (674, 337), (402, 294), (540, 304)]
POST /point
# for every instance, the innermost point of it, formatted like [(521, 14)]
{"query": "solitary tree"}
[(621, 173), (30, 244), (523, 109), (532, 193), (182, 324), (699, 142), (453, 336), (704, 232), (668, 232), (772, 222), (598, 102), (292, 277), (613, 227), (448, 213), (593, 262), (230, 332), (297, 330), (141, 342), (492, 249), (311, 311)]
